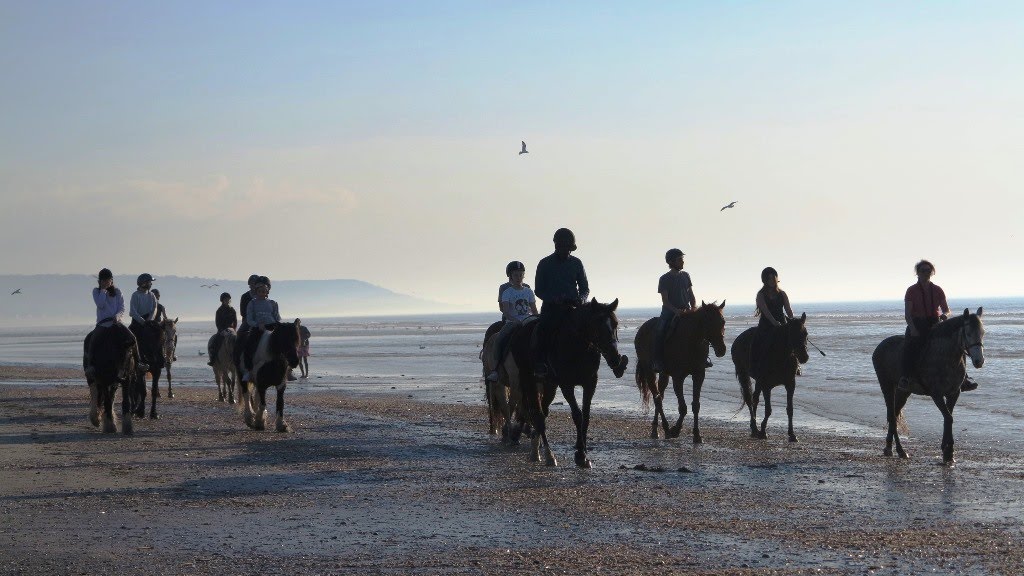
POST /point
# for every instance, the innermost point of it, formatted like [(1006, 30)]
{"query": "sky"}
[(379, 141)]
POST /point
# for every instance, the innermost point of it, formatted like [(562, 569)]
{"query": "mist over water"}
[(436, 358)]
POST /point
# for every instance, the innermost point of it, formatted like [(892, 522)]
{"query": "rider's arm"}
[(762, 305), (133, 308), (668, 304), (908, 315), (540, 281), (786, 306), (581, 282), (277, 313)]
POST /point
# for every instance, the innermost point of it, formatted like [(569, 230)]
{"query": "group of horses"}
[(272, 355), (517, 402)]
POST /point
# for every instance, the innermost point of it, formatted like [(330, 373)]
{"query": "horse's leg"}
[(588, 397), (282, 426), (659, 405), (698, 382), (156, 393), (946, 407), (568, 392), (790, 387), (755, 397), (127, 428), (107, 397), (170, 393), (246, 393), (261, 408), (220, 378), (231, 380), (540, 422), (139, 393), (898, 403), (677, 387), (767, 392), (94, 403)]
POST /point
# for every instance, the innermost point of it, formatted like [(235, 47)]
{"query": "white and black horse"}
[(275, 353), (225, 372), (941, 371)]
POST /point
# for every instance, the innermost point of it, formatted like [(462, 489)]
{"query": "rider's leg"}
[(660, 333), (908, 359)]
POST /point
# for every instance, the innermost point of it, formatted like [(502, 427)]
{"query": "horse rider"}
[(774, 309), (143, 304), (261, 314), (518, 303), (243, 302), (161, 315), (502, 288), (676, 290), (924, 306), (561, 282), (226, 319), (109, 310)]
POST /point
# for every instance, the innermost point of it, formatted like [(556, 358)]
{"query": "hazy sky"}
[(379, 140)]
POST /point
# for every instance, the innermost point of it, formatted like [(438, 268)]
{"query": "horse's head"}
[(713, 325), (599, 326), (796, 338), (284, 340), (972, 336)]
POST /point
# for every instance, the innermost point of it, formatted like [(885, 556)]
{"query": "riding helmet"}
[(264, 280), (513, 266), (143, 278), (673, 254), (253, 278), (768, 273), (565, 235), (106, 274), (225, 296)]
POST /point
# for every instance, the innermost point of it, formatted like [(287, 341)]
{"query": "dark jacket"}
[(560, 280), (226, 318)]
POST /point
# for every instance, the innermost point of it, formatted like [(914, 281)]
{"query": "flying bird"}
[(729, 205), (524, 151), (18, 291), (208, 285)]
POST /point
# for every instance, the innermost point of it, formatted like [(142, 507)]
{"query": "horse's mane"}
[(284, 338), (946, 328)]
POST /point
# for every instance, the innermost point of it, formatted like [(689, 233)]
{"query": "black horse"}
[(113, 364), (588, 332), (275, 353), (686, 349), (785, 350), (941, 371), (150, 336)]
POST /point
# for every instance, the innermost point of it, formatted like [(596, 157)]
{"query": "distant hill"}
[(62, 299)]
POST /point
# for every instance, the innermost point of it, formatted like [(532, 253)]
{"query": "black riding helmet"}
[(768, 273), (264, 280), (513, 266), (105, 274), (143, 278), (565, 235), (253, 279), (225, 296), (673, 254)]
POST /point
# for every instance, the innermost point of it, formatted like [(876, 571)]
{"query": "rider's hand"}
[(111, 290)]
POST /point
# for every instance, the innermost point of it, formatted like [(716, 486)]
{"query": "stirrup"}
[(968, 384)]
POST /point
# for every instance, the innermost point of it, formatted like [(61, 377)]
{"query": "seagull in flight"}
[(208, 285), (18, 291), (729, 205), (524, 150)]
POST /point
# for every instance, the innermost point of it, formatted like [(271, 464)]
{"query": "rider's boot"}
[(968, 384)]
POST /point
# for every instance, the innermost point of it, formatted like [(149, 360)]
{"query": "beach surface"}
[(384, 483)]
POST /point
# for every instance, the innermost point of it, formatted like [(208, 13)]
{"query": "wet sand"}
[(386, 484)]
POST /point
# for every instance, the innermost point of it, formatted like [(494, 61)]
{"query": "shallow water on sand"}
[(435, 358)]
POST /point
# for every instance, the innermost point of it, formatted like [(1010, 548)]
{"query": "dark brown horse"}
[(941, 371), (170, 328), (495, 412), (588, 332), (686, 348), (150, 336), (114, 366), (785, 350)]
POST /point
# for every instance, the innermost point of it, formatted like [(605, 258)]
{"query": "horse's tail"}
[(643, 375), (745, 388), (901, 424)]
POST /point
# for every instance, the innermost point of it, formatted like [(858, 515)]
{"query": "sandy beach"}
[(386, 484)]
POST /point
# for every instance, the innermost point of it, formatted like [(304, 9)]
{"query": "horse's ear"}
[(980, 310), (803, 317), (702, 303), (593, 301), (967, 311), (722, 306), (297, 322), (175, 319), (613, 305)]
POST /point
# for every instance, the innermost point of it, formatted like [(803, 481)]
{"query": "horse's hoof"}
[(156, 394), (94, 420), (154, 416), (697, 439), (110, 428), (552, 462), (792, 438), (903, 455), (654, 435), (762, 435), (284, 428), (674, 432), (170, 394), (887, 452)]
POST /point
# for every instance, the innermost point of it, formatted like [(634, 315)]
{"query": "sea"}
[(435, 358)]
